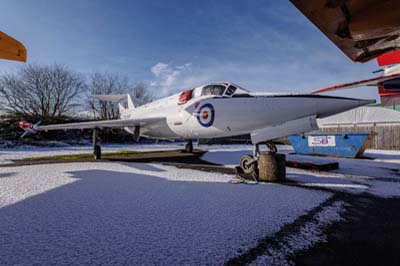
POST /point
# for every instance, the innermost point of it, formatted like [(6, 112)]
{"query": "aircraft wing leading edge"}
[(367, 82), (388, 88), (118, 123)]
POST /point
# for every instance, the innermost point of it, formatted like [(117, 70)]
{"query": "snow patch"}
[(309, 235)]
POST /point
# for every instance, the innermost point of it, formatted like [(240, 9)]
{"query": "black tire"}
[(189, 148), (97, 152), (247, 167)]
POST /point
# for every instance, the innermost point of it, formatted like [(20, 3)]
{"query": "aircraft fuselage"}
[(213, 116)]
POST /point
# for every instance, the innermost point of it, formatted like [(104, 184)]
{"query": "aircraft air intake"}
[(185, 96)]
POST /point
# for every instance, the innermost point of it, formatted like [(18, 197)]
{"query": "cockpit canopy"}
[(224, 89), (221, 89), (213, 90)]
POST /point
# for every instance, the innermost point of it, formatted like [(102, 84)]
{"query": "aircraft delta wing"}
[(362, 29), (125, 105)]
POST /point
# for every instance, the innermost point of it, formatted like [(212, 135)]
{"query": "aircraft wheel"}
[(247, 164), (97, 152), (189, 148)]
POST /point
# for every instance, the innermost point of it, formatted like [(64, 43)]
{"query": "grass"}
[(120, 155), (80, 156)]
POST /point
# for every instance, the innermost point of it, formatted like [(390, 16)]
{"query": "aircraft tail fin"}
[(124, 100)]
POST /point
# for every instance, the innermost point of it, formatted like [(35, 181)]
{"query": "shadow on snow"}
[(108, 217)]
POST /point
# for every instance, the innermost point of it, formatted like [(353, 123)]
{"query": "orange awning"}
[(11, 49)]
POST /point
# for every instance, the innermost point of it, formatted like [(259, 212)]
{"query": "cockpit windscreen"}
[(213, 90)]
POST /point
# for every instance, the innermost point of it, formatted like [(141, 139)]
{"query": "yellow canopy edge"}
[(11, 49)]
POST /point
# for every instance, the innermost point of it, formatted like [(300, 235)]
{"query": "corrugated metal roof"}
[(362, 115)]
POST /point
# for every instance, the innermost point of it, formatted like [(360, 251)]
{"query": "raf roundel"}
[(206, 115)]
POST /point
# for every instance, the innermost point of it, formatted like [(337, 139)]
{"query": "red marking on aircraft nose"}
[(204, 115)]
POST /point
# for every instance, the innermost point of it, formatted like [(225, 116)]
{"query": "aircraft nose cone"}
[(334, 106), (365, 102)]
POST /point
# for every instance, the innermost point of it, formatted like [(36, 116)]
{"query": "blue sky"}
[(172, 45)]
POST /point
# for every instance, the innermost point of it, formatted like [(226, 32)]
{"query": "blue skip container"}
[(351, 144)]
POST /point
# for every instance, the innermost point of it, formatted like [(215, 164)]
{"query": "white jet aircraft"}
[(216, 110)]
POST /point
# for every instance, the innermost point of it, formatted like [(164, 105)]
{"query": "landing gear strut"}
[(272, 147), (96, 145), (189, 147), (249, 163)]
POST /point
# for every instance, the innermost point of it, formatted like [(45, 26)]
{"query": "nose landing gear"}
[(249, 163)]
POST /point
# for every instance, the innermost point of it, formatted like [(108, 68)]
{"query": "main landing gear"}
[(189, 147), (249, 163), (96, 145)]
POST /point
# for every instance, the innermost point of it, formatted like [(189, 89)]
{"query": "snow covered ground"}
[(152, 214)]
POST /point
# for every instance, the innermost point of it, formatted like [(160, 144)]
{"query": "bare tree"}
[(41, 92), (140, 94), (113, 83)]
